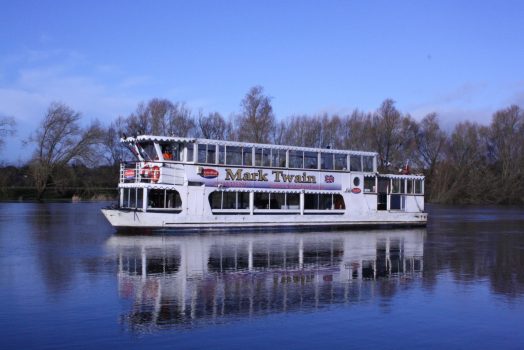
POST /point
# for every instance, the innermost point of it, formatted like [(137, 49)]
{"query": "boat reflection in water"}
[(187, 280)]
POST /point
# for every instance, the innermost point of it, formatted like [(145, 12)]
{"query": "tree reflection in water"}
[(187, 280)]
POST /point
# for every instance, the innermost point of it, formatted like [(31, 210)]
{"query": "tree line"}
[(472, 163)]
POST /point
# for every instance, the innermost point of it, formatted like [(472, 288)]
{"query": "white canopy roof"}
[(239, 144), (402, 176)]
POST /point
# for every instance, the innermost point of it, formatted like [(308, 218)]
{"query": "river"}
[(68, 280)]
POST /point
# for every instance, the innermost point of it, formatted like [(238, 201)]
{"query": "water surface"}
[(68, 280)]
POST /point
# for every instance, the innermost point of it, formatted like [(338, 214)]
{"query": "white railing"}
[(151, 172)]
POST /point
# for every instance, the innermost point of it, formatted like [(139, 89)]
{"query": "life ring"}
[(145, 172), (155, 174)]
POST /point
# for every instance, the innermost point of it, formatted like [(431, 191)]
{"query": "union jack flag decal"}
[(129, 173)]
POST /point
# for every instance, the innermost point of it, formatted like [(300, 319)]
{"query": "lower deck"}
[(197, 206)]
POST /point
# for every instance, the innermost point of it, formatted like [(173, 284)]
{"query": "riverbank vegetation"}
[(472, 163)]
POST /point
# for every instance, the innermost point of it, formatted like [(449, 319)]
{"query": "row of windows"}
[(170, 199), (156, 199), (275, 201), (407, 186), (164, 199), (278, 158), (132, 198), (260, 157)]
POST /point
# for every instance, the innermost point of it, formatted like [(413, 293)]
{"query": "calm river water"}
[(67, 280)]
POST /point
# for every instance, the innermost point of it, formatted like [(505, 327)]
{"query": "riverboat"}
[(194, 183)]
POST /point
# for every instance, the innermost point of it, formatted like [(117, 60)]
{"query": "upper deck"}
[(150, 148)]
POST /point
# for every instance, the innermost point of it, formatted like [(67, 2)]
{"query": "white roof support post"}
[(144, 200)]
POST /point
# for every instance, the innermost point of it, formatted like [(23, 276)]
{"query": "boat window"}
[(215, 200), (368, 163), (247, 155), (132, 198), (402, 185), (221, 154), (202, 152), (311, 201), (261, 200), (233, 155), (277, 201), (326, 161), (171, 151), (296, 159), (147, 150), (190, 149), (409, 186), (341, 161), (207, 154), (418, 186), (164, 200), (292, 201), (211, 154), (321, 201), (369, 184), (243, 200), (262, 157), (278, 158), (311, 160), (229, 200), (396, 186), (355, 163)]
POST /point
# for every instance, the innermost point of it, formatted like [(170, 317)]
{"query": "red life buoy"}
[(155, 176), (145, 172)]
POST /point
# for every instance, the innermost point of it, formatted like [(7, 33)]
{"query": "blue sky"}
[(463, 60)]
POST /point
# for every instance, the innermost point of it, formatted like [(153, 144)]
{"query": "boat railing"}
[(130, 172), (151, 172)]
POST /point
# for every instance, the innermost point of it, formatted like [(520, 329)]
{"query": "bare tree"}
[(302, 130), (331, 131), (506, 139), (430, 142), (7, 128), (465, 170), (387, 127), (59, 140), (278, 134), (111, 147), (159, 111), (256, 122), (138, 122), (356, 131), (161, 117), (213, 126), (181, 121), (506, 147)]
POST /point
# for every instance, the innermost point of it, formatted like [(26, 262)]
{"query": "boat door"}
[(382, 193)]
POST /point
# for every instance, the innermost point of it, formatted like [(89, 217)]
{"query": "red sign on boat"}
[(129, 173), (209, 173), (356, 190)]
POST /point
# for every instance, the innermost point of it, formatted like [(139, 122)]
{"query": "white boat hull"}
[(121, 218)]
